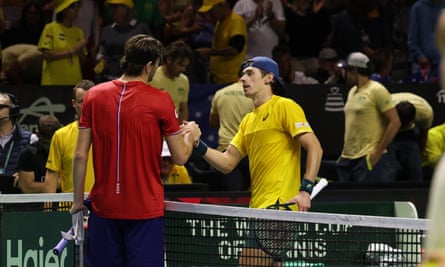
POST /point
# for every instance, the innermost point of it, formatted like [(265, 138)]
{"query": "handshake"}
[(191, 132)]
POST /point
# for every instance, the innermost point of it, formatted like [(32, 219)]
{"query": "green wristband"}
[(307, 186), (201, 149)]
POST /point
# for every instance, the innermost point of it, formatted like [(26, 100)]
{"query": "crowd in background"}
[(208, 40), (396, 34)]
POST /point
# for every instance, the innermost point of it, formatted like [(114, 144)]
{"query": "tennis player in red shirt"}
[(125, 120)]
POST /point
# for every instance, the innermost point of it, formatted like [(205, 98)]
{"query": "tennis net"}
[(202, 235)]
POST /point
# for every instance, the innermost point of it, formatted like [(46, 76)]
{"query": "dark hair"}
[(280, 49), (48, 124), (406, 112), (36, 4), (139, 50), (84, 84), (178, 50)]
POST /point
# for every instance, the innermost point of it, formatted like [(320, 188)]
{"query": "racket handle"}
[(62, 244), (318, 187)]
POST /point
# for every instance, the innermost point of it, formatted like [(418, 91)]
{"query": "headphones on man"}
[(14, 110)]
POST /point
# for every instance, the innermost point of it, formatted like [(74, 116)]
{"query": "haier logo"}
[(37, 257), (441, 96)]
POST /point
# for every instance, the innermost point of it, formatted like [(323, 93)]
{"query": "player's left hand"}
[(303, 200)]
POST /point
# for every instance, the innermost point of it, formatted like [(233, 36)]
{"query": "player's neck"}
[(127, 78), (261, 98)]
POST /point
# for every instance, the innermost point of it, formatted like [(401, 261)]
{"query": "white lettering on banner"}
[(242, 228), (32, 257), (311, 248), (230, 249), (229, 246), (208, 228)]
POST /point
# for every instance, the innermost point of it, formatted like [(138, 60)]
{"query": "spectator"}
[(229, 106), (307, 27), (423, 52), (199, 39), (32, 160), (265, 25), (182, 24), (146, 11), (29, 28), (440, 43), (115, 34), (327, 72), (229, 42), (281, 54), (347, 32), (12, 139), (416, 116), (371, 122), (379, 24), (21, 59), (382, 59), (171, 78), (63, 145), (172, 173), (88, 21), (63, 46)]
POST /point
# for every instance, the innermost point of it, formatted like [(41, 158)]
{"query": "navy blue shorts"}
[(122, 243)]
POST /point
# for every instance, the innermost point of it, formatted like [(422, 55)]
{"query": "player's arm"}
[(224, 162), (51, 181), (311, 145), (391, 130), (181, 145), (314, 153), (79, 168)]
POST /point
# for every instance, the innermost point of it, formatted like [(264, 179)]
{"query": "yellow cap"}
[(128, 3), (61, 5), (209, 4)]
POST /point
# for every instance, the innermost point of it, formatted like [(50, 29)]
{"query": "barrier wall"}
[(323, 106)]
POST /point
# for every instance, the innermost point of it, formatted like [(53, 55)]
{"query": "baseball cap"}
[(209, 4), (61, 5), (268, 65), (328, 53), (128, 3), (165, 151), (356, 59)]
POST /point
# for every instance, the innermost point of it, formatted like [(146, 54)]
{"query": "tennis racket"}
[(277, 237)]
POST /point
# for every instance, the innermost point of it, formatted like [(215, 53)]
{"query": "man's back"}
[(125, 118)]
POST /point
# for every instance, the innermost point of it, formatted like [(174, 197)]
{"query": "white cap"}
[(165, 151), (356, 59)]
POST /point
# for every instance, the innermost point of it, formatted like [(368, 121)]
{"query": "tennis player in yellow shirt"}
[(271, 136)]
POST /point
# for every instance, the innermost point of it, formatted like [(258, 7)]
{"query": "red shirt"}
[(128, 121)]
